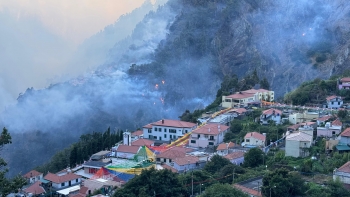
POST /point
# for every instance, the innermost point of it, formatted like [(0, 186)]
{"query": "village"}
[(183, 147)]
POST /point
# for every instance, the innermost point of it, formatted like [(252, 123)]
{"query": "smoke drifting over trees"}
[(173, 60)]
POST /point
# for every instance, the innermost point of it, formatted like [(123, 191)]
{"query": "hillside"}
[(175, 59)]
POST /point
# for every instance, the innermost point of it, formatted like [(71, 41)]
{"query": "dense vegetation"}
[(81, 151), (8, 185), (316, 91)]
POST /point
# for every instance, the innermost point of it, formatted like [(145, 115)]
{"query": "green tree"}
[(8, 185), (281, 182), (264, 84), (216, 163), (342, 114), (152, 182), (222, 190), (254, 157)]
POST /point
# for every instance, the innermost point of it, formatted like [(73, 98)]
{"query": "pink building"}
[(344, 83)]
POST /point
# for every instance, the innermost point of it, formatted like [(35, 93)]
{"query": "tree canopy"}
[(253, 158), (222, 190)]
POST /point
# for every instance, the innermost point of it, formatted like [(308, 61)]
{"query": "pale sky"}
[(74, 20)]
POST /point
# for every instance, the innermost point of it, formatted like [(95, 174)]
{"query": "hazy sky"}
[(37, 38), (74, 20)]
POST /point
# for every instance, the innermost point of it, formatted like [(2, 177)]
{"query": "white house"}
[(297, 144), (323, 119), (127, 152), (334, 102), (33, 176), (166, 130), (64, 181), (255, 139), (306, 116), (271, 114), (243, 98), (136, 135), (183, 164), (345, 136), (343, 173), (236, 158), (328, 130), (208, 135)]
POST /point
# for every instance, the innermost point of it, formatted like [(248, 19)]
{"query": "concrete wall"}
[(163, 133), (254, 141), (66, 184), (343, 177), (292, 148), (238, 161), (344, 140), (203, 140)]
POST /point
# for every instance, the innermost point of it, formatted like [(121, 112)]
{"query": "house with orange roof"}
[(334, 102), (345, 136), (323, 120), (33, 176), (208, 135), (223, 148), (136, 135), (342, 173), (254, 139), (169, 155), (236, 158), (297, 144), (167, 130), (142, 142), (64, 181), (243, 98), (344, 83), (187, 163), (35, 189), (271, 115)]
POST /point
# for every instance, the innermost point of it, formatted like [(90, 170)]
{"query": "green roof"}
[(342, 147), (44, 181)]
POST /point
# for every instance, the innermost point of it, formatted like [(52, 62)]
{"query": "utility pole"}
[(233, 176), (192, 183)]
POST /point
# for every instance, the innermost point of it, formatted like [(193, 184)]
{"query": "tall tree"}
[(8, 185), (222, 190), (253, 158)]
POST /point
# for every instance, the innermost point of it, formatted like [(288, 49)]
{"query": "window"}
[(338, 103), (164, 130), (149, 131), (246, 140), (171, 137), (154, 137), (164, 135), (76, 180), (169, 160), (172, 130), (211, 143), (155, 128), (333, 132), (332, 102), (198, 136), (206, 136), (158, 159), (159, 129), (193, 141), (211, 137), (228, 100), (186, 131), (62, 184)]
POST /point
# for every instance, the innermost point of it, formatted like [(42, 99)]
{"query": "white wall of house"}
[(293, 148), (66, 184), (35, 178), (253, 141), (125, 155), (335, 103), (343, 177), (186, 167), (205, 140), (344, 140), (165, 133), (238, 161)]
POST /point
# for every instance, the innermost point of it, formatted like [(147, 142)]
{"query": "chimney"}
[(31, 174), (162, 121), (209, 130), (251, 134)]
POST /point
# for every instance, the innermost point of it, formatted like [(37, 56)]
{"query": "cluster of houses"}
[(198, 146)]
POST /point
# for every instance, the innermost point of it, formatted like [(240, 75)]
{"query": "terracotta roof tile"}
[(35, 189), (234, 155), (345, 168), (239, 110), (211, 129), (61, 179), (185, 160), (324, 118), (240, 95), (346, 133), (294, 127), (172, 154), (142, 142), (271, 111), (255, 135), (345, 79), (32, 173), (137, 133), (248, 190), (224, 146), (171, 123), (337, 122), (128, 149)]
